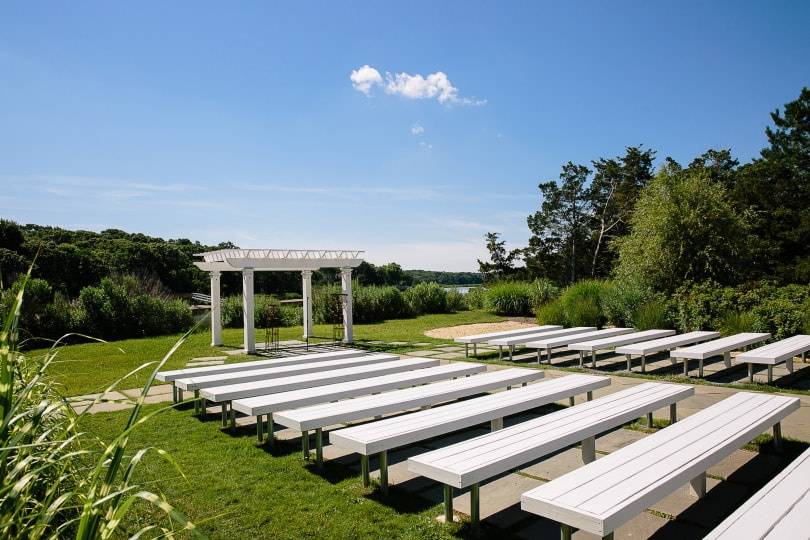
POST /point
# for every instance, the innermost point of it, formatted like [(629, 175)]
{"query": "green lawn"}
[(235, 489), (90, 367)]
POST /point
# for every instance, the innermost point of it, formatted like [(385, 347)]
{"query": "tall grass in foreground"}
[(51, 486)]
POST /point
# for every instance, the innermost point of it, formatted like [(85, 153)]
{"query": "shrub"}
[(476, 298), (779, 316), (455, 301), (621, 302), (552, 313), (510, 298), (582, 302), (543, 292), (369, 304), (734, 322), (651, 315), (426, 298)]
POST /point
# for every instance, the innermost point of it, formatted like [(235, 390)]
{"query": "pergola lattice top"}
[(278, 259)]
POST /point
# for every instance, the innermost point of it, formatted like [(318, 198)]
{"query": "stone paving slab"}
[(208, 358), (498, 495), (208, 363), (449, 355)]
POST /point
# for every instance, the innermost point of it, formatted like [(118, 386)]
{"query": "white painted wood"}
[(281, 401), (551, 342), (327, 367), (717, 347), (350, 410), (247, 311), (622, 339), (779, 510), (647, 348), (776, 352), (171, 375), (484, 457), (481, 338), (544, 334), (257, 388), (605, 494), (216, 309), (410, 428), (346, 289), (306, 293)]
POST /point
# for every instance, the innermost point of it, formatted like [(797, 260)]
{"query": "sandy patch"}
[(452, 332)]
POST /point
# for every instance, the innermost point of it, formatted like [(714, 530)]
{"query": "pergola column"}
[(216, 310), (346, 286), (306, 288), (247, 310)]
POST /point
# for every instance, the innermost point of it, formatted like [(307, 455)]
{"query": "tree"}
[(777, 187), (501, 262), (685, 227), (559, 230), (613, 192)]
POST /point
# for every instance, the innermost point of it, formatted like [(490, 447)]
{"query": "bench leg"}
[(589, 395), (750, 372), (548, 355), (448, 504), (180, 395), (697, 485), (566, 532), (629, 362), (789, 365), (673, 413), (305, 445), (538, 355), (500, 352), (643, 363), (197, 402), (466, 350), (496, 424), (383, 458), (727, 359), (581, 358), (224, 414), (593, 359), (571, 401), (260, 429), (649, 420), (233, 415), (475, 507), (270, 433), (588, 450), (777, 436), (364, 470), (685, 367), (700, 368), (475, 349), (511, 352), (319, 447), (174, 393), (770, 374)]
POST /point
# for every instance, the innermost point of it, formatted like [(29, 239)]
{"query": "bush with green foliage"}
[(476, 298), (651, 315), (552, 313), (734, 322), (424, 298), (514, 298), (579, 304), (455, 301)]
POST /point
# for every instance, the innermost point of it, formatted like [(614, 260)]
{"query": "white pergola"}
[(249, 261)]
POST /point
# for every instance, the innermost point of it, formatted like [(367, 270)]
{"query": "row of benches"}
[(698, 345), (309, 394)]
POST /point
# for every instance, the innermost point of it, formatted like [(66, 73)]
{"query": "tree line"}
[(712, 219)]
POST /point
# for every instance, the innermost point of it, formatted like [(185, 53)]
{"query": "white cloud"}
[(417, 129), (424, 144), (364, 78), (433, 86)]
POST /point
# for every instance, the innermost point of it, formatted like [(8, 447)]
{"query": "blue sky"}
[(241, 122)]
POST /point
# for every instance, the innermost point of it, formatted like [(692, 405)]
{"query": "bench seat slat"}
[(348, 410), (269, 403), (775, 511), (603, 495), (480, 338), (664, 344), (394, 432), (777, 352), (204, 381), (170, 375), (257, 388), (549, 342), (719, 346), (518, 340), (622, 339), (483, 457)]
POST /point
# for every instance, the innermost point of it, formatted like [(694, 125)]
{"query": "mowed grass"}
[(236, 489), (91, 367)]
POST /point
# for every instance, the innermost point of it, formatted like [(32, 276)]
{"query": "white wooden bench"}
[(473, 461), (607, 493), (779, 510), (317, 417), (615, 341), (227, 393), (198, 382), (525, 338), (717, 347), (267, 404), (381, 436), (647, 348), (171, 375), (550, 342), (475, 339), (775, 353)]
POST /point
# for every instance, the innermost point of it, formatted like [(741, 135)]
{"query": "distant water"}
[(462, 290)]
